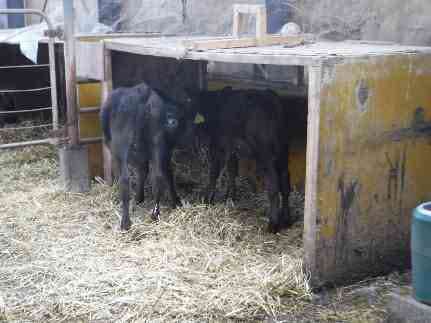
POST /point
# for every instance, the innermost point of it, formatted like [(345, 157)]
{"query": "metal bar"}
[(53, 82), (28, 11), (23, 66), (29, 127), (27, 90), (70, 63), (24, 111), (89, 110), (93, 140), (27, 143)]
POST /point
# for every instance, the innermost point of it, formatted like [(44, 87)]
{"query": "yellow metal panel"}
[(89, 96), (375, 152)]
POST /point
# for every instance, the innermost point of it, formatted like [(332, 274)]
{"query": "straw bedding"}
[(62, 257)]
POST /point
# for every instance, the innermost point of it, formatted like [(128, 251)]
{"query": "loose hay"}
[(31, 131), (62, 258)]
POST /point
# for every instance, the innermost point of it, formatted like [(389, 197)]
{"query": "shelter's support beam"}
[(106, 90), (73, 158)]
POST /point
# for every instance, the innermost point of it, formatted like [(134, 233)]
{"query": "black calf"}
[(140, 125), (249, 124)]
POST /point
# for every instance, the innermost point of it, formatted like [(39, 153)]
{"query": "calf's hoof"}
[(140, 199), (208, 199), (177, 203), (155, 214), (273, 227), (125, 224), (280, 222)]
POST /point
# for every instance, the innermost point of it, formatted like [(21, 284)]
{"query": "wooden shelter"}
[(367, 146)]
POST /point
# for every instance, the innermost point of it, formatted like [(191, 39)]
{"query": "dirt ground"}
[(62, 258)]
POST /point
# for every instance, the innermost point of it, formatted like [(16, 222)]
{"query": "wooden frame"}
[(239, 10)]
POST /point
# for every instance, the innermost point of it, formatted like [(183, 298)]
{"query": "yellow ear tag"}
[(199, 119)]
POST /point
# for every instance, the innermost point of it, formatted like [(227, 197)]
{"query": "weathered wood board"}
[(266, 40), (374, 152)]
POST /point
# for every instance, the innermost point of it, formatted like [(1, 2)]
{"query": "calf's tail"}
[(105, 119)]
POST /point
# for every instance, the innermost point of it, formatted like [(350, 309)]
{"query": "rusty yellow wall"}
[(89, 126), (374, 162), (297, 152)]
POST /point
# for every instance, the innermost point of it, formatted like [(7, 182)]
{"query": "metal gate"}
[(51, 34)]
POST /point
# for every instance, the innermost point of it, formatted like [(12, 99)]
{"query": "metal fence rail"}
[(51, 34), (23, 66), (27, 90), (25, 110)]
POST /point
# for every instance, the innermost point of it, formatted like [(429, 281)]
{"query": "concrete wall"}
[(405, 22)]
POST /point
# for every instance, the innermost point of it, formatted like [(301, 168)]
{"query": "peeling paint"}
[(374, 161), (347, 195), (363, 94)]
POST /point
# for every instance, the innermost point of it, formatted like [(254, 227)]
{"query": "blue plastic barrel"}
[(421, 253)]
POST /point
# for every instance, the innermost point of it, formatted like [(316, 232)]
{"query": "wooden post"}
[(70, 66), (310, 211), (261, 22), (73, 157), (237, 22), (106, 91), (239, 10)]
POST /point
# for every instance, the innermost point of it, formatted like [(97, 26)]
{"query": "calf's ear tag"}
[(199, 118)]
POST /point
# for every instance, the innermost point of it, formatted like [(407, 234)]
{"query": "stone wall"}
[(401, 21), (181, 16)]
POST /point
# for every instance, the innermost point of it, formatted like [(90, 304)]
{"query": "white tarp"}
[(29, 37)]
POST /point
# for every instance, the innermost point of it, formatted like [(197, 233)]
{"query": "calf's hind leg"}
[(272, 185), (123, 181), (162, 176), (215, 162), (232, 174), (168, 177), (142, 173), (283, 172)]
